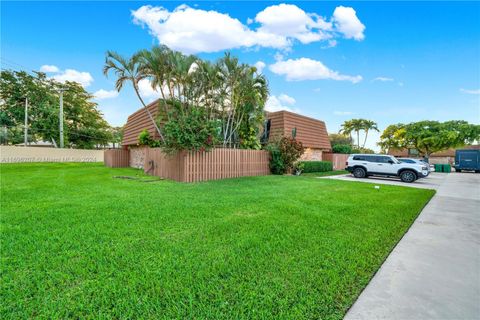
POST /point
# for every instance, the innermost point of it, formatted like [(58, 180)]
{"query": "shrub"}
[(284, 153), (342, 148), (363, 150), (317, 166), (192, 131), (144, 139)]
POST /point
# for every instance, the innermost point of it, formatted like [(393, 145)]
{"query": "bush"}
[(363, 150), (342, 148), (192, 131), (284, 153), (317, 166), (144, 139)]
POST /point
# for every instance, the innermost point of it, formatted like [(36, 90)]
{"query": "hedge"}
[(317, 166)]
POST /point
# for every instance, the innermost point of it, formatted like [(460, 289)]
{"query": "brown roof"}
[(139, 121), (311, 132)]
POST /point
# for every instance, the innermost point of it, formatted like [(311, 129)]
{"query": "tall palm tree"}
[(347, 128), (367, 126), (128, 70)]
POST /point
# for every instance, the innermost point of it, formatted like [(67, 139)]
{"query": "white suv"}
[(364, 165)]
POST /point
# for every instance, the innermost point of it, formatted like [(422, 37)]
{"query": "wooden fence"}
[(338, 159), (203, 166), (116, 158)]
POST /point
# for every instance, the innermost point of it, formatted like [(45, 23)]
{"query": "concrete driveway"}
[(434, 271), (433, 181)]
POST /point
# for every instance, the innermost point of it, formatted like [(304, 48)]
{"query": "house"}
[(441, 157), (311, 132)]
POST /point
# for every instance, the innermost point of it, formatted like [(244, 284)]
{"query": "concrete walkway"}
[(434, 271), (433, 181)]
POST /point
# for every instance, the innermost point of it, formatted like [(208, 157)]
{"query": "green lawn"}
[(78, 243)]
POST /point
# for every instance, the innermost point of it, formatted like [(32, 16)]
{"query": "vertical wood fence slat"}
[(117, 158), (202, 166)]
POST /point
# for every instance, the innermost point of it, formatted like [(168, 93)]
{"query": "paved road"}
[(434, 271)]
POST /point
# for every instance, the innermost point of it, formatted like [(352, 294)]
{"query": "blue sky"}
[(385, 61)]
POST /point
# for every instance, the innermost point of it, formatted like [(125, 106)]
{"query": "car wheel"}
[(458, 170), (408, 176), (359, 173)]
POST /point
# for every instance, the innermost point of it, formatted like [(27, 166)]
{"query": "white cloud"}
[(308, 69), (286, 99), (192, 30), (342, 113), (290, 21), (274, 103), (346, 22), (383, 79), (470, 91), (49, 68), (260, 65), (84, 78), (146, 90), (105, 94)]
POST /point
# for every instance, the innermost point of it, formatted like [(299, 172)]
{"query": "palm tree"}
[(367, 126), (127, 70), (347, 128)]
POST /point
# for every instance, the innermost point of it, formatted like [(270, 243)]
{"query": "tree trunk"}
[(148, 112), (358, 139), (365, 140)]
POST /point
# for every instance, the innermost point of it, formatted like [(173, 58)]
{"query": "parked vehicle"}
[(418, 161), (365, 165), (468, 160)]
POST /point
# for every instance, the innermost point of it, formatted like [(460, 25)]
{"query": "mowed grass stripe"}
[(76, 242)]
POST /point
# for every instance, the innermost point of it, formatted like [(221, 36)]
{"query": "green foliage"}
[(336, 138), (429, 136), (100, 246), (357, 125), (317, 166), (231, 94), (342, 148), (84, 126), (277, 166), (192, 131), (144, 139), (284, 153), (362, 150)]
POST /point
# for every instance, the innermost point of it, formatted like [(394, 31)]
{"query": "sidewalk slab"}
[(434, 271)]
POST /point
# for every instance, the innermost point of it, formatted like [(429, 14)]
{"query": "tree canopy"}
[(429, 136), (84, 126), (222, 102), (357, 125)]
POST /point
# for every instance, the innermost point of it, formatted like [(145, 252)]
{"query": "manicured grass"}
[(324, 174), (78, 243)]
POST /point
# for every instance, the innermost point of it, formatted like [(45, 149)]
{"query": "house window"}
[(294, 133), (266, 131)]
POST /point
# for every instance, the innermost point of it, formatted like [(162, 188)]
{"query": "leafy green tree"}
[(128, 70), (342, 139), (430, 136), (84, 126), (368, 125), (232, 95), (357, 125)]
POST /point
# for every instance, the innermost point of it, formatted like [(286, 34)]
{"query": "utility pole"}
[(25, 130), (61, 90)]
